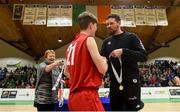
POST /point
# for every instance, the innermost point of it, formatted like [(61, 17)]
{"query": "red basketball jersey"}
[(83, 71)]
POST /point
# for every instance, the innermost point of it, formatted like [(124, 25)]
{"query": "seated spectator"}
[(177, 81)]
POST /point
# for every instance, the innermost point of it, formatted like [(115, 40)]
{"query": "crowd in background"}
[(159, 74), (21, 77)]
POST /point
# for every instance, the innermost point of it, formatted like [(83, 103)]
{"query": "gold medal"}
[(121, 87)]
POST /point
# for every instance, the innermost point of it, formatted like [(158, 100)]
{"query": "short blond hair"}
[(47, 52)]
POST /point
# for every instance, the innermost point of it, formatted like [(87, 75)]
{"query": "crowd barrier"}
[(17, 94), (146, 93)]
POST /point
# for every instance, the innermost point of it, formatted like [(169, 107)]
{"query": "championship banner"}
[(66, 15), (161, 17), (18, 10), (29, 14), (53, 16), (40, 18), (118, 10), (150, 16), (140, 15), (129, 19)]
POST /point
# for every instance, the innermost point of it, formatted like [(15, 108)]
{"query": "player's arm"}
[(98, 60), (66, 72), (138, 51)]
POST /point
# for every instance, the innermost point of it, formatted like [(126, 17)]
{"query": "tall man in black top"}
[(123, 50)]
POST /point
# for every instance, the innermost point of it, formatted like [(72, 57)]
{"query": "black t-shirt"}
[(133, 51)]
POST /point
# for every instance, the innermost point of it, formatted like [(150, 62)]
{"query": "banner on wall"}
[(150, 16), (92, 9), (102, 12), (53, 17), (140, 15), (40, 17), (129, 19), (18, 10), (116, 9), (66, 15), (161, 17), (29, 14)]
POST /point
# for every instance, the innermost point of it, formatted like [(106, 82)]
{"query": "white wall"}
[(167, 53), (10, 53)]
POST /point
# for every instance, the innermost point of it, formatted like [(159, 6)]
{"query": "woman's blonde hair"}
[(47, 52)]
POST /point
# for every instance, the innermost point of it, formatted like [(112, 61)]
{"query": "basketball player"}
[(47, 73), (85, 67), (123, 50)]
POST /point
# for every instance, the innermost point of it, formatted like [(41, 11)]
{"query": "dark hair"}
[(115, 16), (85, 18)]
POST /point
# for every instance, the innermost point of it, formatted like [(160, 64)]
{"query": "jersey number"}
[(70, 56)]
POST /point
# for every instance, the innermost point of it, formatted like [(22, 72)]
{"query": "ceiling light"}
[(59, 40)]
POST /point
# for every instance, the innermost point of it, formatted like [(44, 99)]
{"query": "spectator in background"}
[(47, 74), (177, 81), (1, 75)]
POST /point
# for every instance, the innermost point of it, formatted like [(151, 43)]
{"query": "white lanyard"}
[(58, 80), (118, 78), (61, 100)]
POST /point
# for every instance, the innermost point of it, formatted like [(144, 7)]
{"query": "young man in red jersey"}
[(85, 67)]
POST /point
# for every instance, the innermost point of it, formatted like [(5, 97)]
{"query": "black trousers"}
[(45, 107), (128, 99)]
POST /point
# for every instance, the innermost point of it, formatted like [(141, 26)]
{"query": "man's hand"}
[(117, 53)]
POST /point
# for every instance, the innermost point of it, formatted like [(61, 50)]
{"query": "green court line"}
[(166, 100), (16, 102)]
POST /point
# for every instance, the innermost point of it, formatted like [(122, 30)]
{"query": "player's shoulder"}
[(131, 35), (90, 38)]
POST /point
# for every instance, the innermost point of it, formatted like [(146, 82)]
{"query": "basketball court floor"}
[(149, 107)]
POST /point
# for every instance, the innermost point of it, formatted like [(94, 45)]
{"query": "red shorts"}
[(85, 100)]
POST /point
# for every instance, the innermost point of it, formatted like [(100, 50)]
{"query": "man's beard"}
[(111, 32)]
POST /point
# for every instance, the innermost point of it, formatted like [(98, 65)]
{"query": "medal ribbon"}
[(118, 78), (61, 100)]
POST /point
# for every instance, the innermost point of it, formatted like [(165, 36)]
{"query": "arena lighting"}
[(59, 40), (148, 1)]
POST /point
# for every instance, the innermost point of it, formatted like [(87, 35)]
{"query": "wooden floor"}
[(149, 107)]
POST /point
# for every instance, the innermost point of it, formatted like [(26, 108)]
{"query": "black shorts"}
[(128, 99)]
